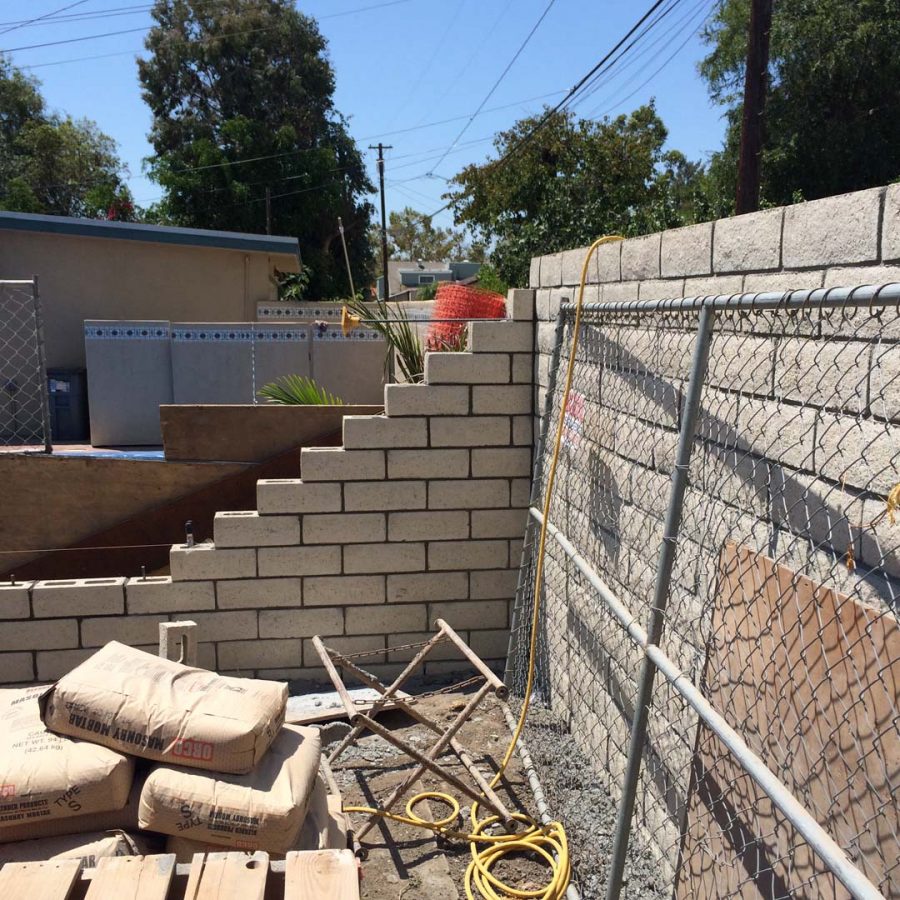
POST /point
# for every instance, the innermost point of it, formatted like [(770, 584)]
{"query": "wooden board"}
[(337, 824), (810, 678), (132, 878), (322, 875), (233, 876), (51, 880)]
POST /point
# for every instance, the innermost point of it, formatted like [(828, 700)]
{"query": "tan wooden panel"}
[(811, 679), (132, 878), (192, 887), (51, 880), (234, 876), (321, 875), (337, 824)]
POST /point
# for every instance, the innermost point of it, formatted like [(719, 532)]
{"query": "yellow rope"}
[(893, 502), (547, 842)]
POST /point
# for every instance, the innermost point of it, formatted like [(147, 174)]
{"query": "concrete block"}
[(687, 251), (661, 289), (831, 374), (551, 270), (292, 495), (546, 304), (178, 642), (78, 597), (777, 431), (441, 651), (376, 558), (499, 584), (890, 228), (490, 644), (237, 655), (428, 526), (884, 381), (501, 337), (257, 593), (832, 231), (783, 281), (571, 264), (53, 664), (131, 630), (370, 432), (609, 262), (534, 272), (344, 590), (233, 625), (522, 431), (204, 561), (425, 400), (494, 523), (505, 463), (640, 257), (385, 495), (300, 623), (16, 668), (522, 368), (467, 368), (278, 561), (520, 492), (468, 494), (457, 555), (741, 363), (428, 463), (19, 635), (470, 431), (654, 399), (159, 594), (427, 587), (748, 243), (520, 304), (712, 285), (250, 529), (387, 618), (337, 464), (618, 291), (510, 400), (343, 528), (14, 600), (862, 453), (879, 547), (348, 644)]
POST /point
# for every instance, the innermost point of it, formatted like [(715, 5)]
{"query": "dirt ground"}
[(407, 863)]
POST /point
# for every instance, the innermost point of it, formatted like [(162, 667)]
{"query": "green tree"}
[(832, 118), (52, 164), (241, 93), (574, 181)]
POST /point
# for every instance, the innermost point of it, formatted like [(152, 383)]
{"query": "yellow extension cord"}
[(547, 842)]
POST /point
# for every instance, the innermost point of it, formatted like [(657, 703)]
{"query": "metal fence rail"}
[(24, 400), (719, 650)]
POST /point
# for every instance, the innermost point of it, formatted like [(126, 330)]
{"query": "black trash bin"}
[(68, 405)]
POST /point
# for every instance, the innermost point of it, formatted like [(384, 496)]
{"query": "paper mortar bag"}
[(138, 703), (260, 811), (87, 847), (44, 776)]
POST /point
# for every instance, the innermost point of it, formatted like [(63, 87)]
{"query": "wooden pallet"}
[(310, 875)]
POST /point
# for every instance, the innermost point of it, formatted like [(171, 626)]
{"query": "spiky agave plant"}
[(298, 390), (400, 336)]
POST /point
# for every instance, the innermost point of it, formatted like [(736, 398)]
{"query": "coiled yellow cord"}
[(546, 842)]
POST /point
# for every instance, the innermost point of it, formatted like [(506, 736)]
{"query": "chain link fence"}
[(24, 402), (718, 624)]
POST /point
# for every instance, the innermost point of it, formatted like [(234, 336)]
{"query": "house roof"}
[(159, 234), (396, 266)]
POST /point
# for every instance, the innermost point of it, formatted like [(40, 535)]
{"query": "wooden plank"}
[(336, 838), (321, 875), (51, 880), (234, 876), (192, 888), (132, 877)]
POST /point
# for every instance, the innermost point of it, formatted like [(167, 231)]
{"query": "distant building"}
[(410, 275)]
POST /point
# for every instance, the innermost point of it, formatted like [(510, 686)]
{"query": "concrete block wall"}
[(420, 515)]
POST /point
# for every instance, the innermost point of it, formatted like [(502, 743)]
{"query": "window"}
[(426, 279)]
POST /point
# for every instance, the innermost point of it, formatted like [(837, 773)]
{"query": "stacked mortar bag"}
[(130, 752)]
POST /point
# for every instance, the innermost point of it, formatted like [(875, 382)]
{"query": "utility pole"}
[(755, 85), (384, 253), (268, 210)]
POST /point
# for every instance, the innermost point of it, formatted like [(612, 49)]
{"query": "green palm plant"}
[(400, 335), (298, 390)]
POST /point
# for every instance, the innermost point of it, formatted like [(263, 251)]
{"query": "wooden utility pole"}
[(755, 84), (384, 253)]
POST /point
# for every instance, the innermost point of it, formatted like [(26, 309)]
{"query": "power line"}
[(15, 25), (83, 16)]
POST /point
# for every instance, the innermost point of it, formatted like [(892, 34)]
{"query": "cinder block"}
[(376, 558), (687, 251), (490, 644), (534, 272), (468, 494), (777, 431), (551, 270), (425, 400), (256, 654), (344, 528), (884, 380), (494, 523), (522, 431), (19, 635), (428, 526), (347, 644), (824, 373), (370, 432), (617, 291), (471, 614), (520, 492), (862, 453), (508, 462), (78, 597), (509, 400), (53, 664), (337, 464), (159, 594), (890, 229), (312, 678), (571, 264), (879, 547), (522, 368), (661, 289), (387, 618), (441, 650), (427, 587), (16, 668), (640, 257), (741, 363), (609, 261), (277, 561), (748, 243), (520, 304), (14, 601), (457, 555), (467, 368), (259, 592), (131, 630), (292, 495), (470, 431), (300, 623), (178, 641), (501, 337), (832, 231), (343, 590), (233, 625), (428, 463), (546, 304), (250, 529), (712, 285), (498, 584), (204, 561), (384, 495), (782, 281)]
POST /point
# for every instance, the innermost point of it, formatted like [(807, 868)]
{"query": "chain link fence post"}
[(42, 368)]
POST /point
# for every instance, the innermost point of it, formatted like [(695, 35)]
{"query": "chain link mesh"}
[(782, 606), (23, 414)]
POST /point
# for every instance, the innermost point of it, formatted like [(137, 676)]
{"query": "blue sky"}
[(401, 66)]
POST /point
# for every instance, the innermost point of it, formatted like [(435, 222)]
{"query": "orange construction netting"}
[(460, 301)]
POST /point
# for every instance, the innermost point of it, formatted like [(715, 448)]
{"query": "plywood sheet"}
[(52, 880), (132, 878), (323, 875)]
